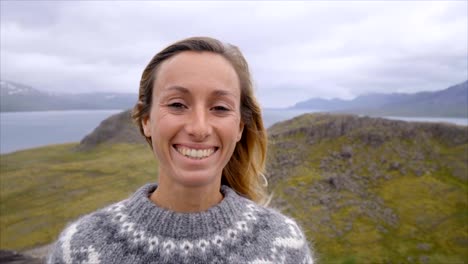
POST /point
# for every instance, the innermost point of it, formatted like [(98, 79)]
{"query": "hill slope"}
[(366, 190), (44, 188), (371, 190), (118, 128)]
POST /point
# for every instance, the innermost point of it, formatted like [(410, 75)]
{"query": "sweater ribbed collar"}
[(162, 222)]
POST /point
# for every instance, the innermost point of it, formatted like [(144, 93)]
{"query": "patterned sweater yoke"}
[(136, 230)]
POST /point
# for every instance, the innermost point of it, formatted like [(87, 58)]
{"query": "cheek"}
[(159, 120), (166, 126), (232, 130)]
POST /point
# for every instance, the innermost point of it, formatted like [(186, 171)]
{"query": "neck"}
[(184, 199)]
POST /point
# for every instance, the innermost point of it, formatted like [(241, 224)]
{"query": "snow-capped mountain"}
[(16, 97), (12, 88)]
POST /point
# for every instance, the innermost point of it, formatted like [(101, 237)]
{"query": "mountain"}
[(451, 102), (365, 190), (118, 128), (371, 190), (16, 97)]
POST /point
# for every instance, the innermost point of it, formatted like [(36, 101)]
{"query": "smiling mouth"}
[(195, 153)]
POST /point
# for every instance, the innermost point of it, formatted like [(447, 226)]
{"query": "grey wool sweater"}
[(136, 230)]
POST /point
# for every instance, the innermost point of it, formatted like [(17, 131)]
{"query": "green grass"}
[(42, 189), (430, 212)]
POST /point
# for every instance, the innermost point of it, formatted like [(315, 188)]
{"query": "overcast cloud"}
[(296, 50)]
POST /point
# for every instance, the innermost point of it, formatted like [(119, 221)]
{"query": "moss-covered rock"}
[(118, 128), (371, 190)]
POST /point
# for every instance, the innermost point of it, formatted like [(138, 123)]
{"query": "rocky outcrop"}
[(371, 130), (348, 179), (367, 131), (118, 128)]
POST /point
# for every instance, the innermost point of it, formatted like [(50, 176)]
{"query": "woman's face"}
[(194, 120)]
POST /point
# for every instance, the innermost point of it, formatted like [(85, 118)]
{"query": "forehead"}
[(197, 71)]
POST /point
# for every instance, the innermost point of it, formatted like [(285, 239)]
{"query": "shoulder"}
[(282, 234), (279, 221), (269, 218), (82, 233), (89, 223)]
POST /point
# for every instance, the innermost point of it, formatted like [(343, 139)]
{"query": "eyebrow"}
[(216, 93), (177, 88), (221, 93)]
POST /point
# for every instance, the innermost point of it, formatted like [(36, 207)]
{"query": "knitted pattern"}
[(136, 230)]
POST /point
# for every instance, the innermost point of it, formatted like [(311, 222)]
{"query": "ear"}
[(146, 124), (241, 129)]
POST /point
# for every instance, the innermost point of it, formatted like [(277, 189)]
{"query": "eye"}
[(220, 108), (177, 105)]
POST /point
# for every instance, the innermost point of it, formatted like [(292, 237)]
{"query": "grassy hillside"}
[(372, 190), (44, 188), (365, 190)]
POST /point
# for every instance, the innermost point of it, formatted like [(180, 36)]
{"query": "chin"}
[(198, 179)]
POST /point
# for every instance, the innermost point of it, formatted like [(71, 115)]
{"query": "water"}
[(23, 130), (451, 120), (271, 116)]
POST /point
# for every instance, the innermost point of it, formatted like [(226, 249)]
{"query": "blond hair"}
[(244, 171)]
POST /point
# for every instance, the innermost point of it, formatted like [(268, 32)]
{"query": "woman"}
[(198, 113)]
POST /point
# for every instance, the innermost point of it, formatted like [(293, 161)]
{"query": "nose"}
[(198, 126)]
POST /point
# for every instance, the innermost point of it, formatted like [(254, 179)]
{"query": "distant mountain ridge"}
[(450, 102), (16, 97)]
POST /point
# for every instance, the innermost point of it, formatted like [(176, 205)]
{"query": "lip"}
[(196, 147)]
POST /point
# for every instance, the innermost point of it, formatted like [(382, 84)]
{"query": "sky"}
[(296, 50)]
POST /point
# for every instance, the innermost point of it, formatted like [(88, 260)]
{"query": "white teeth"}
[(195, 153)]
